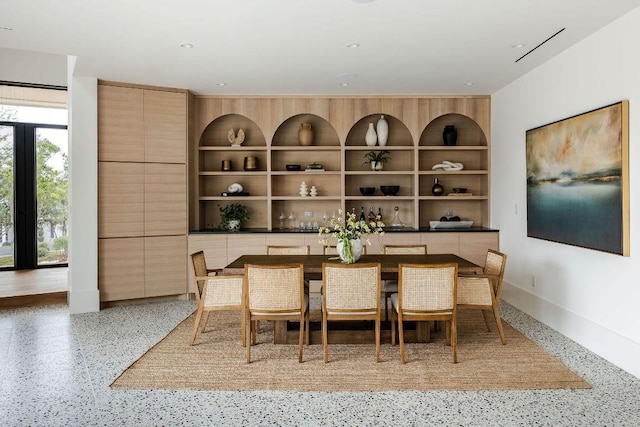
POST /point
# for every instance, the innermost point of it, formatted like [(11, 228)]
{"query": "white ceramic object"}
[(371, 138), (304, 192), (377, 166), (382, 128), (351, 254), (314, 191), (235, 188)]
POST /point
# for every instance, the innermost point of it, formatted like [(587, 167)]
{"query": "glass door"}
[(52, 188), (7, 255)]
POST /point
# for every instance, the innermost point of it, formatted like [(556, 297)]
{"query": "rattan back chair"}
[(482, 291), (350, 292), (426, 292), (391, 286), (288, 250), (332, 250), (276, 292), (214, 293)]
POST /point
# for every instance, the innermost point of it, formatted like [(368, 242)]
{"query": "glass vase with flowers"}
[(349, 233)]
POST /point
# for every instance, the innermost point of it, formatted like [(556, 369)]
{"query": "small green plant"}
[(377, 157), (43, 249), (233, 211)]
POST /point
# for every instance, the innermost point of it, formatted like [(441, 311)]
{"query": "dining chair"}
[(288, 250), (391, 286), (426, 292), (214, 293), (275, 292), (332, 250), (482, 291), (350, 292)]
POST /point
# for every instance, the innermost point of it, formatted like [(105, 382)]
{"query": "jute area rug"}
[(217, 362)]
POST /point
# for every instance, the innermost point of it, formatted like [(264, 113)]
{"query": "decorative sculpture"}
[(236, 140), (446, 165)]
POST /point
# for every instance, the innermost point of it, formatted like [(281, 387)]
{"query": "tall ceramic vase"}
[(305, 134), (370, 137), (382, 128), (349, 251)]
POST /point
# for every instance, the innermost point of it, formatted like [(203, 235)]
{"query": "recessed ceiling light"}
[(518, 46), (186, 45), (347, 76), (221, 84), (344, 84), (353, 45), (468, 84)]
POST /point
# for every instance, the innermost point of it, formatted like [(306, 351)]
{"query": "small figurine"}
[(236, 140)]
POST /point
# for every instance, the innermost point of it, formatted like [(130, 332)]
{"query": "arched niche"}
[(469, 132), (324, 133), (399, 134), (215, 134)]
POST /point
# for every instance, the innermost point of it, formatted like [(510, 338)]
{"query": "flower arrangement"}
[(351, 228), (231, 215)]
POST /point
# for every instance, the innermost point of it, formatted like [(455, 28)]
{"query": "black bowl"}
[(367, 191), (459, 190), (389, 190), (292, 168)]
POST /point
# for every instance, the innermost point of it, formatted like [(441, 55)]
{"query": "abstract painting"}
[(578, 180)]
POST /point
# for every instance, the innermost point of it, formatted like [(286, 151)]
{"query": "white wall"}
[(83, 192), (33, 67), (590, 296)]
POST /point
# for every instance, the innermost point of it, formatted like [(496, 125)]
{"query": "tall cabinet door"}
[(120, 124), (120, 199), (121, 268), (165, 265), (165, 199), (165, 127)]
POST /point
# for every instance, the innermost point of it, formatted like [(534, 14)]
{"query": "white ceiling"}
[(300, 46)]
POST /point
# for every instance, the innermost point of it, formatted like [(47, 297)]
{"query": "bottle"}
[(371, 216), (362, 217), (379, 213)]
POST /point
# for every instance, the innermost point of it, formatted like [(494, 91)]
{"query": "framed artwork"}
[(578, 180)]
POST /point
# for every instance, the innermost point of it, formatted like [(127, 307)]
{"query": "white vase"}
[(377, 166), (234, 225), (370, 137), (382, 128), (349, 251)]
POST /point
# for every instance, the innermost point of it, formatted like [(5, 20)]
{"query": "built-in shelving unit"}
[(415, 144)]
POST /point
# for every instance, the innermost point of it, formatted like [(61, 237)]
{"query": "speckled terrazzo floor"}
[(55, 369)]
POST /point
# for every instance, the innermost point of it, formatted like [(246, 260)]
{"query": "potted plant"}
[(377, 159), (231, 215)]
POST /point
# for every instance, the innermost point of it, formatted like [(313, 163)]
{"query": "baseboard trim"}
[(33, 300), (617, 349)]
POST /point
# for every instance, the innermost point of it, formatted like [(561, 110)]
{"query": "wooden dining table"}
[(313, 271)]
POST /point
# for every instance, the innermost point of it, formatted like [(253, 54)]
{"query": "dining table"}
[(312, 265)]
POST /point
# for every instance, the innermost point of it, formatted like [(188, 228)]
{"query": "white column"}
[(83, 192)]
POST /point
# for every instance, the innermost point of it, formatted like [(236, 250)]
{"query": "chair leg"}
[(454, 339), (378, 339), (447, 333), (306, 327), (394, 318), (486, 319), (301, 337), (196, 324), (243, 328), (386, 306), (204, 323), (401, 334), (325, 338), (254, 326), (248, 335), (496, 314)]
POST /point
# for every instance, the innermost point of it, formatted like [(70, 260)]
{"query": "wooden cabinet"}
[(415, 145), (120, 199), (142, 191)]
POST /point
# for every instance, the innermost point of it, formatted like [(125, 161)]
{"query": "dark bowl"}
[(367, 191), (389, 190), (292, 168), (459, 190)]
